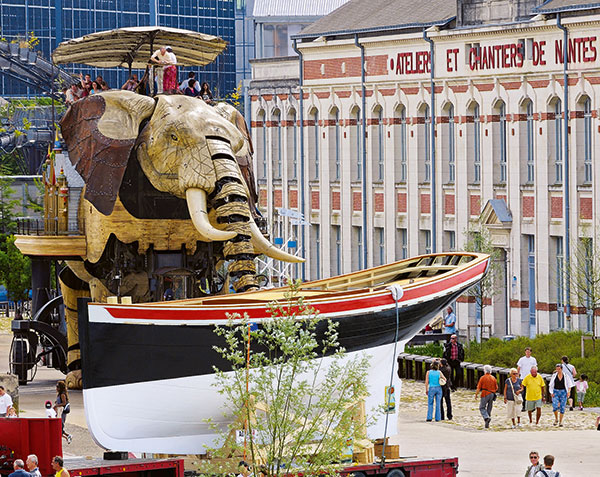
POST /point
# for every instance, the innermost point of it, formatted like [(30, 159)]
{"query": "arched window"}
[(313, 145), (400, 143), (261, 141), (378, 145), (530, 144), (427, 143), (356, 144), (451, 146), (587, 140), (276, 152), (476, 145), (292, 144), (558, 147), (502, 141)]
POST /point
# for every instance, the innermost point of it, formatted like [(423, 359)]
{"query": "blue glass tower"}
[(53, 21)]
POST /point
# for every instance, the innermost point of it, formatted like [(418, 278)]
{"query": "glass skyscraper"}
[(53, 21)]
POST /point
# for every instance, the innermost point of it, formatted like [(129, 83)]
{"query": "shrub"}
[(430, 349)]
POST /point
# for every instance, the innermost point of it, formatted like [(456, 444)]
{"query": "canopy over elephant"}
[(168, 181)]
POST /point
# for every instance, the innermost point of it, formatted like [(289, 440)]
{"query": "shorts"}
[(513, 410), (559, 400), (531, 405), (580, 397)]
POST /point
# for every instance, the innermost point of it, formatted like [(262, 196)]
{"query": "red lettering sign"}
[(579, 50), (411, 63)]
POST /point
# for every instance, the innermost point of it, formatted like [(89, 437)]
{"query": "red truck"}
[(20, 437)]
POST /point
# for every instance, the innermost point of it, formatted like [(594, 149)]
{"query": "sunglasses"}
[(534, 457)]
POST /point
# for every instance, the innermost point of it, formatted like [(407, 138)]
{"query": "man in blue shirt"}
[(20, 471), (450, 321)]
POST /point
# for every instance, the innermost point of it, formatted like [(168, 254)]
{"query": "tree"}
[(584, 272), (297, 390), (15, 272), (479, 240), (8, 224)]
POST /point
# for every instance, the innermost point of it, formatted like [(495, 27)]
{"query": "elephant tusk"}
[(262, 245), (196, 202)]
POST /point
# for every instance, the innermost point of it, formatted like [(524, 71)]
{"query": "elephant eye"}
[(175, 138)]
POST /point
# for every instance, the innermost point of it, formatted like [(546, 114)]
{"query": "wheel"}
[(357, 474), (396, 473)]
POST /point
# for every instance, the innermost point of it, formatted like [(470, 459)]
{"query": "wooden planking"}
[(52, 245), (163, 234)]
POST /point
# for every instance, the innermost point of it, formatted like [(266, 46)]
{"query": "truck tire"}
[(357, 474), (396, 473)]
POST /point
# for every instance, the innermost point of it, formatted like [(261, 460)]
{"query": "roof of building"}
[(553, 6), (358, 16), (297, 8)]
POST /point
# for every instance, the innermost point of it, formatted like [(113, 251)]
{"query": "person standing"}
[(170, 73), (32, 465), (535, 465), (513, 396), (433, 389), (560, 387), (58, 466), (5, 402), (62, 401), (447, 372), (547, 470), (524, 368), (487, 386), (159, 59), (534, 396), (455, 353), (582, 387), (19, 469), (450, 321), (569, 369)]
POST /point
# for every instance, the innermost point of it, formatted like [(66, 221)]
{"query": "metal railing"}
[(41, 227)]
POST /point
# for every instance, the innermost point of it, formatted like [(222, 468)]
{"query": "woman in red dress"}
[(170, 73)]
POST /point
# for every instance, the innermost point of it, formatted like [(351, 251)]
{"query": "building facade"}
[(383, 166), (53, 21)]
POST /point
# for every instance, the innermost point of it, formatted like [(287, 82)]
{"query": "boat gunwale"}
[(246, 298)]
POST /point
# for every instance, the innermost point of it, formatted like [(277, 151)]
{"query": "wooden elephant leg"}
[(72, 288)]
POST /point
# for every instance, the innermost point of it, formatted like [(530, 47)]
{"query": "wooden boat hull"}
[(148, 369)]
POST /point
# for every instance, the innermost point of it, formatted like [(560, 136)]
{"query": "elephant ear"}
[(100, 132)]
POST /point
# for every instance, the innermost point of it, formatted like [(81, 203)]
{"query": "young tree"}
[(292, 389), (479, 240), (584, 273), (8, 224), (15, 272)]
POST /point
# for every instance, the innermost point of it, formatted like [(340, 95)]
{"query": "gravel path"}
[(465, 410)]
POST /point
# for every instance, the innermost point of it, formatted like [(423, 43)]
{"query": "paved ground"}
[(497, 451)]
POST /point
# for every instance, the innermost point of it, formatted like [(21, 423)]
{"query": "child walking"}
[(582, 387)]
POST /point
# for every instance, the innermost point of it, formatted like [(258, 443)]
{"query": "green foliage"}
[(430, 349), (300, 410), (8, 224), (15, 270), (547, 350)]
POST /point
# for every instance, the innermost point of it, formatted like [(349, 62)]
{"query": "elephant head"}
[(185, 148)]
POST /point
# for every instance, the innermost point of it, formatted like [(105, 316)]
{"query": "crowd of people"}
[(162, 67), (32, 466), (523, 390)]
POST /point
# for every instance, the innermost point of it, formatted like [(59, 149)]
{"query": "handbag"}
[(442, 379), (67, 408), (517, 397)]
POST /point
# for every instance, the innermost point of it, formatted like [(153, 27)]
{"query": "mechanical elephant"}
[(161, 174)]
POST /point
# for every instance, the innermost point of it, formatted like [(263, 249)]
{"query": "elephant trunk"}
[(229, 199)]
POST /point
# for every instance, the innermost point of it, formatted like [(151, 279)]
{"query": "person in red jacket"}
[(487, 386)]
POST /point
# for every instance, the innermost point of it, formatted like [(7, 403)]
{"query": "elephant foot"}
[(73, 380)]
